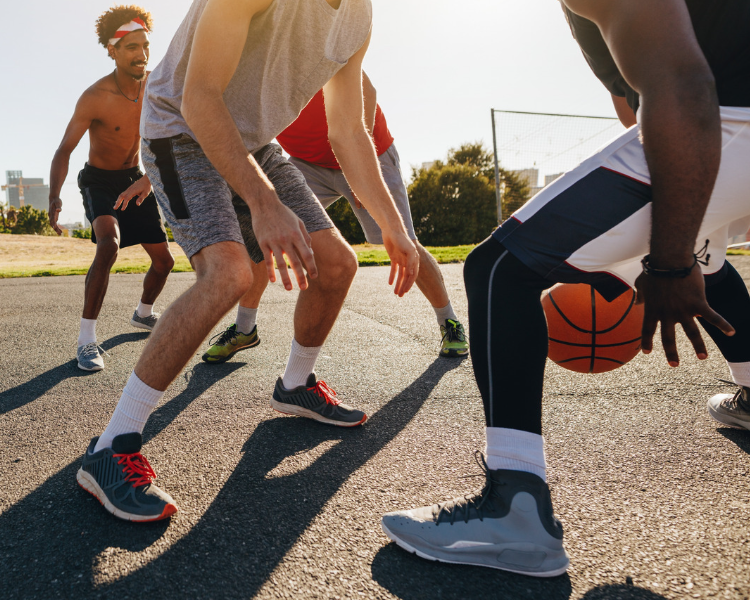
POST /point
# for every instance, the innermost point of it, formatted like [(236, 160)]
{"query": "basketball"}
[(587, 334)]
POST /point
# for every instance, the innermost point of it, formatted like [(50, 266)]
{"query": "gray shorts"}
[(201, 208), (330, 184)]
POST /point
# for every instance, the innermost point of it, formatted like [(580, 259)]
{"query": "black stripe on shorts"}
[(164, 159)]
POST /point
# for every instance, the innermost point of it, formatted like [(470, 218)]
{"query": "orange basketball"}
[(588, 334)]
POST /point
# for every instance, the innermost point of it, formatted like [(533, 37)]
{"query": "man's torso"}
[(293, 48), (114, 140)]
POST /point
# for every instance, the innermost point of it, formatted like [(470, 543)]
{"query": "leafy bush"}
[(343, 217), (33, 221), (83, 234)]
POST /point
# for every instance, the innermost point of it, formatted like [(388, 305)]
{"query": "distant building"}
[(37, 195), (550, 178), (530, 176), (428, 165)]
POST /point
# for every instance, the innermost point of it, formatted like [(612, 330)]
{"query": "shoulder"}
[(95, 95)]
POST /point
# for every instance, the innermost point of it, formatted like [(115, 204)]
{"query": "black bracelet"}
[(701, 257)]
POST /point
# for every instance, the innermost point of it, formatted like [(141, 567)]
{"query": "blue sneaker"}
[(120, 478)]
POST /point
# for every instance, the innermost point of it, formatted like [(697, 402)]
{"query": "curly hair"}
[(117, 16)]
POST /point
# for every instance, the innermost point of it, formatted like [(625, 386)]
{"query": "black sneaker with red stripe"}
[(315, 401), (121, 479)]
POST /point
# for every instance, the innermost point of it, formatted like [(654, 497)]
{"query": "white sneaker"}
[(732, 410)]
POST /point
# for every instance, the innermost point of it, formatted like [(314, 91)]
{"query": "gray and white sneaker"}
[(508, 525), (732, 410), (316, 401), (89, 358), (148, 322)]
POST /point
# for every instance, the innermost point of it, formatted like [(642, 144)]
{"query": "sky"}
[(438, 66)]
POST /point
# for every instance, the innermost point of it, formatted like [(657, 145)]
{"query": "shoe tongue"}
[(311, 380), (127, 443)]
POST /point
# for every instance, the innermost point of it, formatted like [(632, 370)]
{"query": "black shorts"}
[(138, 224)]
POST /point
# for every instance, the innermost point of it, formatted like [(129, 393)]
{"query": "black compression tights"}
[(509, 331)]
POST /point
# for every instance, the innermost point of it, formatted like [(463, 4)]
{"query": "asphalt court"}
[(653, 495)]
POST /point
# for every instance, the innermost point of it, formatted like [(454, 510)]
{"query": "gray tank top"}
[(293, 48)]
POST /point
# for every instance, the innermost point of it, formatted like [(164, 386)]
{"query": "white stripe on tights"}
[(489, 333)]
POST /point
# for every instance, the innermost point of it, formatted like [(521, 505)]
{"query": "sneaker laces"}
[(137, 470), (224, 337), (454, 332), (738, 401), (89, 350), (321, 389), (475, 501)]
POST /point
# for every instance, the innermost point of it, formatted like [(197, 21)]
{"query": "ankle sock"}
[(246, 319), (87, 333), (132, 411), (740, 373), (445, 313), (516, 450), (144, 310), (301, 363)]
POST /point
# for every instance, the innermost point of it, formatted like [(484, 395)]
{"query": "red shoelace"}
[(322, 390), (137, 470)]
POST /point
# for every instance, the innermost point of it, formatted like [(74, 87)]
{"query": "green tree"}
[(33, 221), (343, 217)]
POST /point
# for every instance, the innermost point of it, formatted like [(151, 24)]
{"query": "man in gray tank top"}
[(236, 74)]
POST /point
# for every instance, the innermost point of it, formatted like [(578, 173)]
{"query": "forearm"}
[(58, 173), (216, 132), (360, 165), (682, 142)]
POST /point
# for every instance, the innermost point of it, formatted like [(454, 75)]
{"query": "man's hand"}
[(55, 206), (281, 233), (671, 301), (138, 190), (404, 261)]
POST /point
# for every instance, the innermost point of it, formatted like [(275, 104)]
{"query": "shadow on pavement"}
[(254, 521), (741, 437), (412, 578), (621, 592), (35, 388), (51, 538)]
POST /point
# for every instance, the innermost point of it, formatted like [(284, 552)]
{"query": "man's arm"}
[(216, 52), (654, 46), (79, 124), (623, 110), (355, 152), (370, 99)]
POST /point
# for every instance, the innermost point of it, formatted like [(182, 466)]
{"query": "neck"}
[(127, 84)]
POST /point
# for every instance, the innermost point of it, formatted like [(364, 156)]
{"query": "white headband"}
[(134, 25)]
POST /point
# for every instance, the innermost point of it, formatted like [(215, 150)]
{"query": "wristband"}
[(701, 257)]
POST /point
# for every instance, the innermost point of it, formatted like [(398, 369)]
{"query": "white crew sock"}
[(132, 411), (516, 450), (144, 310), (245, 319), (301, 363), (87, 333), (740, 373), (445, 313)]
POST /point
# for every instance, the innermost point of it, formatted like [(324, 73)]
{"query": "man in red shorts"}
[(306, 141)]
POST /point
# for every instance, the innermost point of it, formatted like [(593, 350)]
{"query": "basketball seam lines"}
[(489, 335)]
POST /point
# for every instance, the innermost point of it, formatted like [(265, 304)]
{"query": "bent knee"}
[(107, 248)]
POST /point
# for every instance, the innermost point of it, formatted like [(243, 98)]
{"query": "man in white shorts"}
[(653, 209), (306, 141)]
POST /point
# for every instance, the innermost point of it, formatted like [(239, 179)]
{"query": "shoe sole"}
[(299, 411), (88, 483), (453, 353), (727, 420), (401, 544), (138, 325), (80, 366), (205, 358)]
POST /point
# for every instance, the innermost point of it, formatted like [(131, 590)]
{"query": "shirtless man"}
[(236, 74), (110, 110)]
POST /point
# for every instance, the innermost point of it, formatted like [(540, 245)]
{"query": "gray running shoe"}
[(315, 401), (89, 358), (120, 478), (148, 322), (732, 410), (508, 525)]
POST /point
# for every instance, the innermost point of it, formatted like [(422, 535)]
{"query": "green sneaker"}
[(227, 343), (454, 339)]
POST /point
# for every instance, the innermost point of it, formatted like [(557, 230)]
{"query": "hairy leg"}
[(97, 279), (319, 305), (223, 276), (162, 263), (251, 299)]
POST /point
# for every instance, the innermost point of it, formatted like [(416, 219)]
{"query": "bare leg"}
[(430, 279), (161, 266), (97, 279), (224, 275), (260, 282), (319, 305)]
